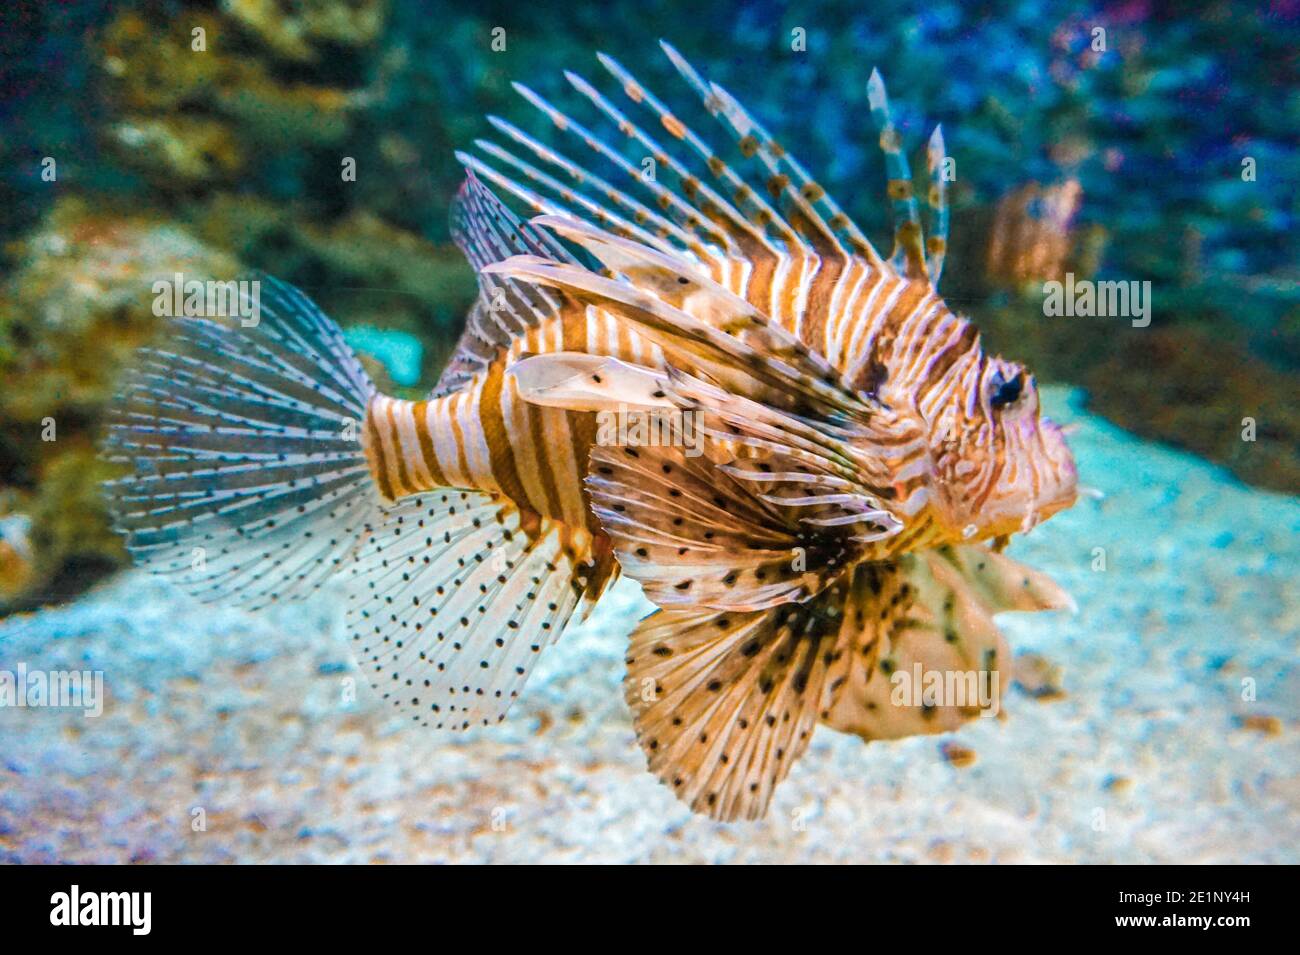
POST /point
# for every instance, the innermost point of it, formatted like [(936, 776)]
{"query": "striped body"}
[(485, 437), (847, 429), (857, 445)]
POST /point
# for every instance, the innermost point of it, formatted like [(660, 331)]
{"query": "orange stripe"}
[(492, 419), (378, 464), (403, 479)]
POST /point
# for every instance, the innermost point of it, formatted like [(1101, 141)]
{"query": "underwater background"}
[(1158, 724)]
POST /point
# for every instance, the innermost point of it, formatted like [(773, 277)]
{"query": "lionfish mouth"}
[(1041, 511), (1060, 490)]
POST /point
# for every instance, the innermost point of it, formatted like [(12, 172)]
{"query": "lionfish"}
[(862, 465), (1032, 236)]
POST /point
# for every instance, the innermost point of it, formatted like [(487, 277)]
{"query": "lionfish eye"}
[(1006, 391)]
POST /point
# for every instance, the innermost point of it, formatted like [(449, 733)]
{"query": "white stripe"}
[(841, 310), (444, 439), (912, 330), (477, 455), (812, 266), (594, 343), (388, 441), (779, 277), (872, 328), (404, 413)]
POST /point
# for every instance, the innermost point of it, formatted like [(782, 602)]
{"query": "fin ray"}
[(247, 486), (908, 256), (725, 703), (453, 596)]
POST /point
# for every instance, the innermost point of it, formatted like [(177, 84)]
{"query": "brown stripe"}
[(906, 305), (673, 125), (582, 425), (622, 339), (462, 462), (763, 260), (818, 234), (501, 455), (891, 347), (535, 415), (534, 418), (940, 364), (819, 301), (420, 411), (378, 464)]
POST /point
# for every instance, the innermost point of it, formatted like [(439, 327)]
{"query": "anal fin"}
[(453, 596), (927, 655)]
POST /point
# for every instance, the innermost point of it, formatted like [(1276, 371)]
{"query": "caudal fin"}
[(725, 702), (249, 483)]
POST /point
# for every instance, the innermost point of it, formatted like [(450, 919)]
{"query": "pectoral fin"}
[(713, 500), (695, 537), (577, 381), (725, 703), (928, 656)]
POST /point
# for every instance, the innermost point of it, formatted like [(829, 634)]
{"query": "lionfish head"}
[(1000, 465)]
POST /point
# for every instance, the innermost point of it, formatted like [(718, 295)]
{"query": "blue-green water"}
[(1156, 725)]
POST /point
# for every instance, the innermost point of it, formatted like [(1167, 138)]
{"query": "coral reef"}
[(77, 305), (298, 32), (192, 108), (15, 551)]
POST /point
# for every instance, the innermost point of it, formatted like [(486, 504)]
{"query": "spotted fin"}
[(724, 703), (933, 610), (711, 500), (695, 537), (801, 199), (936, 244), (486, 231), (1000, 583), (697, 525), (454, 594), (249, 483), (532, 184), (708, 212), (673, 519), (909, 241), (648, 222)]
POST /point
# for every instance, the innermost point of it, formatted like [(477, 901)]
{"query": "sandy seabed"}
[(237, 725)]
